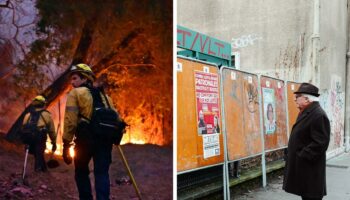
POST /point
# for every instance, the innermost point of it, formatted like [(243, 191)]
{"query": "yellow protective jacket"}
[(79, 103), (45, 121)]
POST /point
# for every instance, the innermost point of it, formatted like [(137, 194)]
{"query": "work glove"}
[(54, 147), (66, 156)]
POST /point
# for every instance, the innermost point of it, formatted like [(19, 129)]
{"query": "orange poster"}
[(208, 111)]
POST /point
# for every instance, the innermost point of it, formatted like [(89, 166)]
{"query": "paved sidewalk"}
[(338, 184)]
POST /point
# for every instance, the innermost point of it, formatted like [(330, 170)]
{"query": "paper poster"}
[(233, 76), (207, 99), (211, 145), (269, 110), (179, 67), (250, 79)]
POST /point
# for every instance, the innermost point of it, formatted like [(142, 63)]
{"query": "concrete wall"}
[(269, 35), (333, 48), (274, 38)]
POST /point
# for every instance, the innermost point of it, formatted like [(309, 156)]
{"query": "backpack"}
[(30, 131), (105, 123)]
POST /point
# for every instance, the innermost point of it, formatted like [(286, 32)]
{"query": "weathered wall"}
[(333, 41), (275, 38), (269, 35)]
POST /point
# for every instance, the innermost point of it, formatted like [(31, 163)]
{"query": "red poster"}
[(207, 98)]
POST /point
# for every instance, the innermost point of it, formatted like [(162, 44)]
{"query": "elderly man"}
[(305, 171)]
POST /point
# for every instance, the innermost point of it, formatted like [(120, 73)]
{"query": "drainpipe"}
[(315, 39), (347, 85)]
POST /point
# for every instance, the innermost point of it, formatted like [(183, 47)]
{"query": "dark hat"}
[(307, 88)]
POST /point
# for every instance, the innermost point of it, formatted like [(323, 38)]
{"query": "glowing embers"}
[(133, 141)]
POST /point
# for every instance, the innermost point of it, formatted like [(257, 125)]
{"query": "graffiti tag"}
[(244, 41)]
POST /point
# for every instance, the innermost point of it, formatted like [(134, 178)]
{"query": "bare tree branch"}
[(14, 13), (5, 5)]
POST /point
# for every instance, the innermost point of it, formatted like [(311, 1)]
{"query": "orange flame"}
[(148, 120), (133, 141)]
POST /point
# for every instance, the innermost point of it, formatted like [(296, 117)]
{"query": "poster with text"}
[(207, 100), (269, 110), (211, 145)]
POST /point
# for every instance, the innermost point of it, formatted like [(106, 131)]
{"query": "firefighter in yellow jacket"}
[(78, 112), (39, 123)]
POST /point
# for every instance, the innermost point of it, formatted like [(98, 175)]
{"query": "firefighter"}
[(39, 123), (78, 112)]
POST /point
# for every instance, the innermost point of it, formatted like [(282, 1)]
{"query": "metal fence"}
[(226, 115)]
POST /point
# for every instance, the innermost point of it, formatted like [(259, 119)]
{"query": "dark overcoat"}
[(305, 170)]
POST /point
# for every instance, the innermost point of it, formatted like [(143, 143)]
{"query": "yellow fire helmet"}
[(84, 70), (40, 98)]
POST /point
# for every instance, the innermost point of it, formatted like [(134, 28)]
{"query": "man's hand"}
[(66, 156)]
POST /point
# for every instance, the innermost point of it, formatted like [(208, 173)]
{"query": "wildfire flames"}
[(134, 141), (143, 109), (133, 55), (136, 96)]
